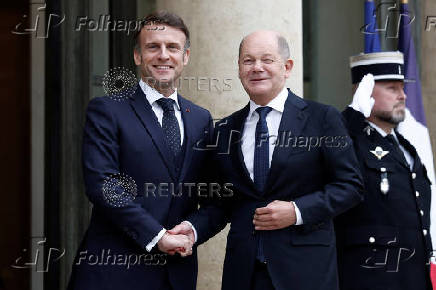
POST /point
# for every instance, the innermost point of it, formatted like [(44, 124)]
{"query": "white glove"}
[(362, 99)]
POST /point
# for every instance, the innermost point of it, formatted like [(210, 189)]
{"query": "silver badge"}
[(384, 185), (379, 152)]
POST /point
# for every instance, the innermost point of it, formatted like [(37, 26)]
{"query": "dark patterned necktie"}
[(170, 125), (261, 165), (261, 149)]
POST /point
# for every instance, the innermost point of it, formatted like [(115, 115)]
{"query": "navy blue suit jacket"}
[(323, 180), (125, 137)]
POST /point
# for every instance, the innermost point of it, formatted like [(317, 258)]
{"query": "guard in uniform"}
[(384, 242)]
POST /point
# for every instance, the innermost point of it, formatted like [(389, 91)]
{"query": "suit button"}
[(372, 240), (417, 193), (424, 231), (421, 212), (413, 175)]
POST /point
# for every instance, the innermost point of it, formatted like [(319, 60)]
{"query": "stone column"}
[(74, 211), (211, 78)]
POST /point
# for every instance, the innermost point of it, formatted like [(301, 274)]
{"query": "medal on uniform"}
[(384, 182), (379, 152)]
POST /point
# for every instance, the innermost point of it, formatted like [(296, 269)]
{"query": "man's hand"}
[(171, 244), (184, 228), (276, 215), (362, 100)]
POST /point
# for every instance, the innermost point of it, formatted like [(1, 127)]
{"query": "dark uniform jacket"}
[(384, 242)]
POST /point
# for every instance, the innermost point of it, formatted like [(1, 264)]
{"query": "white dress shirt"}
[(407, 155), (273, 120), (152, 96)]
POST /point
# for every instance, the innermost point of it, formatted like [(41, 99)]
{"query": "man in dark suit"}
[(384, 242), (135, 152), (292, 167)]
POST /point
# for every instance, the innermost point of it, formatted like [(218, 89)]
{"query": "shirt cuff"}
[(155, 240), (298, 214), (193, 229)]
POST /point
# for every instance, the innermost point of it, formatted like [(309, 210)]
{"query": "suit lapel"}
[(148, 119), (235, 140), (188, 123), (411, 149), (292, 123)]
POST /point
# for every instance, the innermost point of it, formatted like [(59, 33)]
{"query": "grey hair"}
[(283, 48), (282, 45)]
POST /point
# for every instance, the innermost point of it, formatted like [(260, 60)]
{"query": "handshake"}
[(179, 239)]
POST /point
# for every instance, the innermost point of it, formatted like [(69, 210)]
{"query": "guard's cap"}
[(388, 65)]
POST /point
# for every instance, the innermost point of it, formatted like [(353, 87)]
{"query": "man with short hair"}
[(146, 140), (384, 242), (292, 167)]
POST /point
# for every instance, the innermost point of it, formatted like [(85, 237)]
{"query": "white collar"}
[(153, 95), (381, 131), (278, 103)]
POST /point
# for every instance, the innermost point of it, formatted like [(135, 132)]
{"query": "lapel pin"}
[(379, 152), (367, 130), (187, 110)]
